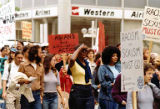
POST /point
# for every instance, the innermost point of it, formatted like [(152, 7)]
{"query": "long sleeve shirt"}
[(28, 69)]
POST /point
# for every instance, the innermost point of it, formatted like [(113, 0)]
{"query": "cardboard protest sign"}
[(7, 21), (151, 24), (132, 61), (63, 43), (26, 30)]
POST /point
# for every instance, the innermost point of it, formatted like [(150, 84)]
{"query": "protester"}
[(3, 58), (11, 56), (107, 74), (119, 46), (9, 72), (145, 54), (156, 80), (91, 57), (25, 52), (33, 67), (51, 84), (118, 96), (145, 98), (65, 79), (81, 96), (95, 82), (4, 53), (20, 45)]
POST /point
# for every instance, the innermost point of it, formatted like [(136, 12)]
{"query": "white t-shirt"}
[(7, 75), (34, 65)]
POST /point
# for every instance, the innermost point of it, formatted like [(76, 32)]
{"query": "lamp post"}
[(90, 32)]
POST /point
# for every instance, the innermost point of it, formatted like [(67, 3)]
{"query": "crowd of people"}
[(32, 78)]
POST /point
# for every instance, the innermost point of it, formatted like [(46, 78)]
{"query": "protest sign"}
[(151, 24), (63, 43), (26, 30), (132, 61), (7, 21)]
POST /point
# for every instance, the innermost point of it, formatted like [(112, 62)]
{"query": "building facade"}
[(70, 16)]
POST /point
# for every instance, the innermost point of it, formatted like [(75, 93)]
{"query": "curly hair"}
[(108, 52), (33, 54)]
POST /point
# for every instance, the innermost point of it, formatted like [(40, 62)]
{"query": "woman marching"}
[(107, 73), (51, 84), (81, 96)]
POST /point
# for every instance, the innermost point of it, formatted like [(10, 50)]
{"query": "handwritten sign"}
[(63, 43), (7, 21), (132, 61), (151, 24), (26, 30)]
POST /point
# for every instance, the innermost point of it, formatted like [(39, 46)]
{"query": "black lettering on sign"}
[(151, 23), (154, 12), (129, 36), (132, 64), (131, 52)]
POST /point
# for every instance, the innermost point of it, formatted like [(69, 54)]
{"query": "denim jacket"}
[(106, 78)]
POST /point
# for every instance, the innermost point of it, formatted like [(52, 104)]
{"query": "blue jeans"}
[(50, 101), (33, 105), (121, 107), (81, 97), (2, 106), (105, 104)]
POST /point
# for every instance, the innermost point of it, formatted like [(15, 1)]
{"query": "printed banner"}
[(132, 61), (63, 43), (151, 24), (7, 21)]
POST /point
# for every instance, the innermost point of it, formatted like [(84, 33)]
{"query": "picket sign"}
[(151, 32), (132, 63)]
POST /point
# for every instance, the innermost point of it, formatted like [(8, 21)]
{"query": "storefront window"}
[(112, 3), (134, 3), (84, 2), (154, 3), (26, 4), (112, 30), (52, 2)]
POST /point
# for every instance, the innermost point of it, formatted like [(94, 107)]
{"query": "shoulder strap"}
[(9, 69)]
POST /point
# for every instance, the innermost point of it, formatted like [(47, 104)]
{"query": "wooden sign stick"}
[(150, 49)]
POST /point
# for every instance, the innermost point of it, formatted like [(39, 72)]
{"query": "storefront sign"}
[(151, 24), (96, 12), (132, 78), (63, 43), (26, 30), (7, 21), (135, 15), (46, 12), (22, 15)]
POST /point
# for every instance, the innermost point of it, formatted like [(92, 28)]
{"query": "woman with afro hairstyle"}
[(107, 74)]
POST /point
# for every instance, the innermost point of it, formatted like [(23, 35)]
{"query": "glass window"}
[(112, 3), (84, 2), (134, 3), (154, 3), (52, 2), (26, 4), (39, 3)]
